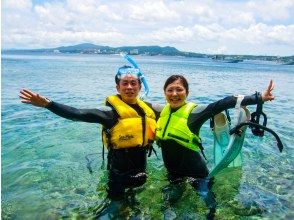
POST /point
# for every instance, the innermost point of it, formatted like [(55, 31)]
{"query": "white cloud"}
[(282, 34), (210, 32), (150, 11), (199, 26), (272, 9), (220, 50), (176, 34), (16, 4)]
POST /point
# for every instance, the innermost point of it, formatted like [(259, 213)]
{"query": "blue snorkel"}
[(139, 74)]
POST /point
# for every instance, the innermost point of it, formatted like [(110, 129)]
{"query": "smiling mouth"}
[(175, 100)]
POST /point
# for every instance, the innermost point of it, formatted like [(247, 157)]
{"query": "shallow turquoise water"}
[(44, 174)]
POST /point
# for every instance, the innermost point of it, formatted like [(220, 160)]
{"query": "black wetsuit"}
[(126, 166)]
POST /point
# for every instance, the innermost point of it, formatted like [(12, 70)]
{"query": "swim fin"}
[(227, 147), (221, 136)]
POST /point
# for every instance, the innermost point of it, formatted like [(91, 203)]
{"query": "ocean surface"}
[(44, 167)]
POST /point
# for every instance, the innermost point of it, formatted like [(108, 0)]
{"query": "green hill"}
[(88, 48)]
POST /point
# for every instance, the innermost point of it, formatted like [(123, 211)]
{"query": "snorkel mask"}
[(134, 71), (126, 70)]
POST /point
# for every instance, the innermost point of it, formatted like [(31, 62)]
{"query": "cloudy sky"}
[(257, 27)]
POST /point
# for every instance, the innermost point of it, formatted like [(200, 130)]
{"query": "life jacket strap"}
[(107, 132), (198, 142), (201, 149)]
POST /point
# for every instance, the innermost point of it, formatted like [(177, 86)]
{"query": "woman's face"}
[(176, 94), (129, 88)]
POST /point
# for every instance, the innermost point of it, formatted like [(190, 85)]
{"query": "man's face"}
[(129, 88)]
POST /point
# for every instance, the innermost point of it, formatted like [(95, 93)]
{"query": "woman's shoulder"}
[(157, 107), (199, 108)]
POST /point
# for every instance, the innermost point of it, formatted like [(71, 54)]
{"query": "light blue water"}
[(44, 174)]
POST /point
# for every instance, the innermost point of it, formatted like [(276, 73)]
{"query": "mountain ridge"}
[(89, 48)]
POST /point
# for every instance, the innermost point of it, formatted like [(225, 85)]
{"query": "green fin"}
[(227, 148), (221, 136)]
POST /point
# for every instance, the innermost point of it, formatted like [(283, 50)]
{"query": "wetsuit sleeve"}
[(157, 108), (104, 117), (202, 113)]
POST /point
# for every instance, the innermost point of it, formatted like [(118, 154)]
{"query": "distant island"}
[(87, 48)]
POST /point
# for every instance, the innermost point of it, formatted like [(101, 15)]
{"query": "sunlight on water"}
[(44, 173)]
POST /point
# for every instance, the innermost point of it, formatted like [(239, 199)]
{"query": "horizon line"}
[(227, 53)]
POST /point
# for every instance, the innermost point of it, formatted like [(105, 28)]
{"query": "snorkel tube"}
[(256, 128), (140, 74)]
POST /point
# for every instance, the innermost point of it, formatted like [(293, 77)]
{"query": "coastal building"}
[(134, 52)]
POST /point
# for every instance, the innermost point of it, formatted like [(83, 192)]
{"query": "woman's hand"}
[(29, 97), (267, 95)]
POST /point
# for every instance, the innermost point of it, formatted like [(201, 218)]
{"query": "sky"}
[(257, 27)]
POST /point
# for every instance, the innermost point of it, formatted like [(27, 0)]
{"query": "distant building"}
[(56, 51), (134, 52)]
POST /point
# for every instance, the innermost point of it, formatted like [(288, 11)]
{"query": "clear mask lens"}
[(122, 72)]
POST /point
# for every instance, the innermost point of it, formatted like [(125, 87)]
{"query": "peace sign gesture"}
[(267, 95)]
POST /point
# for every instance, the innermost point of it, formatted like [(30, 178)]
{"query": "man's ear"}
[(117, 88)]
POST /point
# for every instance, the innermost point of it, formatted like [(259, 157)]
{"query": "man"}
[(128, 130)]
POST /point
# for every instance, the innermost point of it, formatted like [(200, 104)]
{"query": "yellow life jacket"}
[(174, 126), (132, 130)]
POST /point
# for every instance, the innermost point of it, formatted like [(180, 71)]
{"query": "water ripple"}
[(44, 174)]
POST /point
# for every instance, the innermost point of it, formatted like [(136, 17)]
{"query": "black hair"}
[(173, 78)]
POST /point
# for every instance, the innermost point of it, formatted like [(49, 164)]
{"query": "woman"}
[(128, 125), (177, 134)]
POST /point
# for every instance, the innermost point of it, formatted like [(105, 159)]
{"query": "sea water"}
[(44, 166)]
